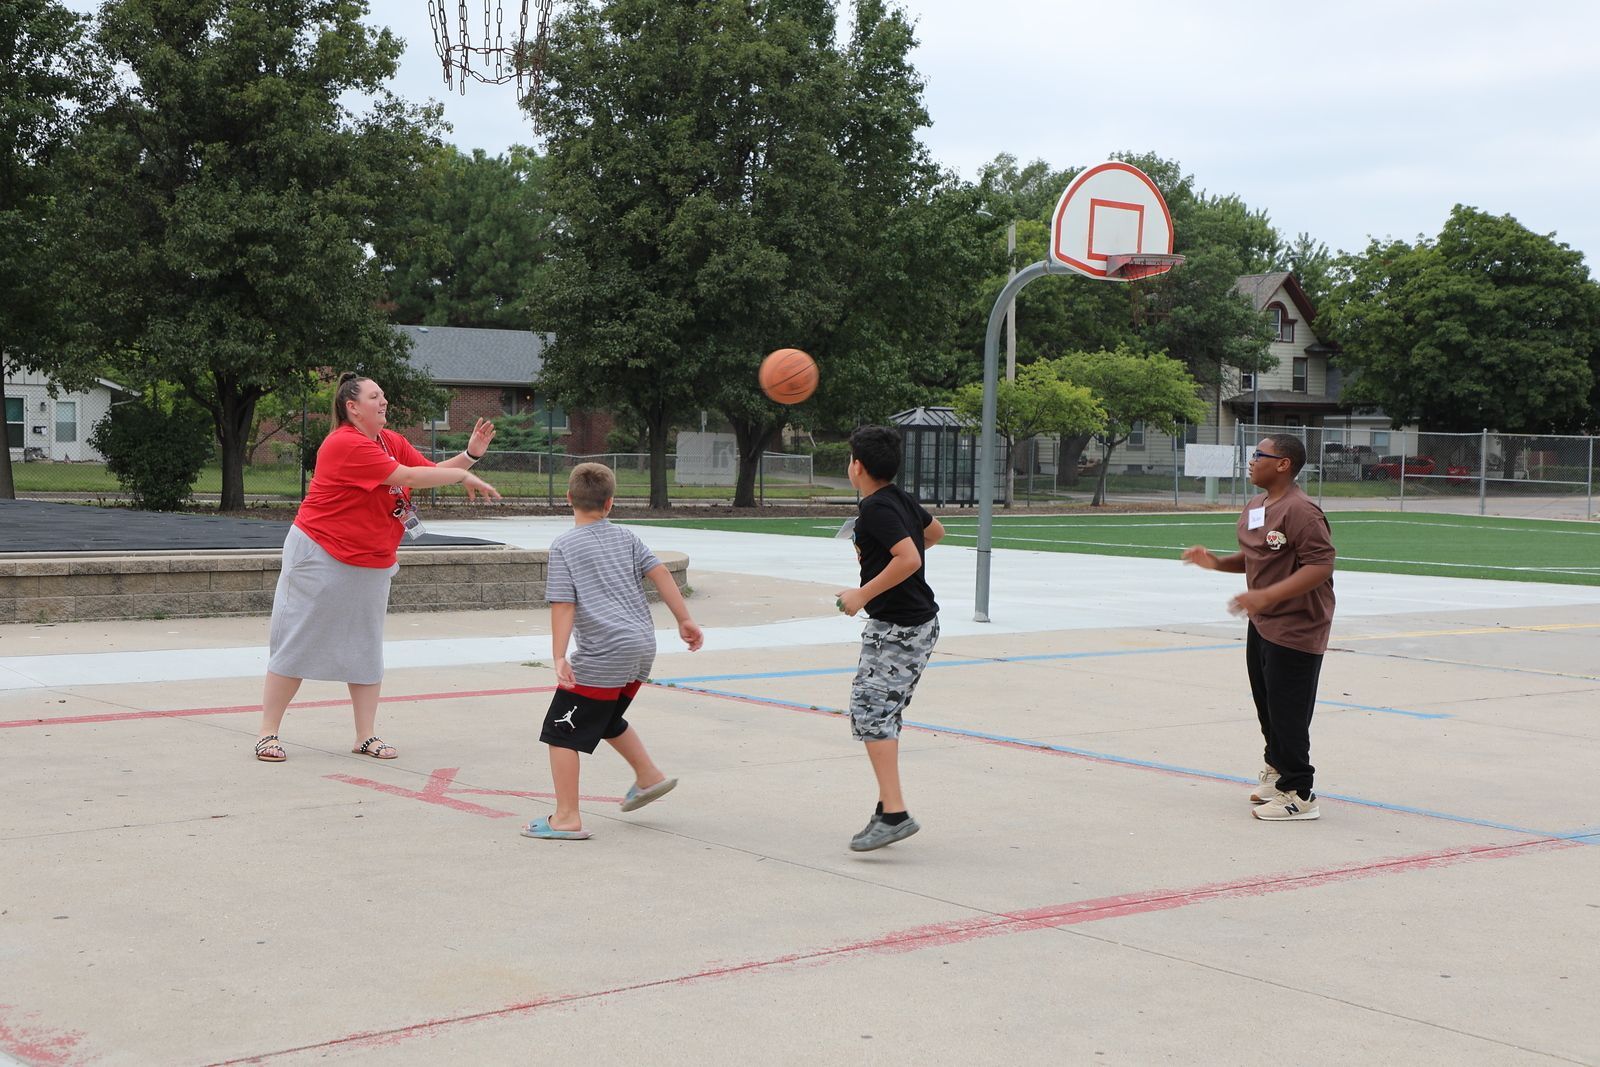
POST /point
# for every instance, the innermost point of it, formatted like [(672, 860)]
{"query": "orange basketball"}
[(788, 376)]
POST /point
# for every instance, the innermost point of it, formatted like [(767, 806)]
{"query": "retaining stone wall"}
[(63, 588)]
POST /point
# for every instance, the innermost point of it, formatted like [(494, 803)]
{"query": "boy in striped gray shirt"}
[(594, 592)]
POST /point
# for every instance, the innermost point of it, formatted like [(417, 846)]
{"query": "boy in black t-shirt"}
[(892, 534)]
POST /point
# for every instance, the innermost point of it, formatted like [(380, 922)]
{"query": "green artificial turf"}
[(1456, 546)]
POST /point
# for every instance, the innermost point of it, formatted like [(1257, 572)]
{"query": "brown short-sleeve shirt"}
[(1294, 535)]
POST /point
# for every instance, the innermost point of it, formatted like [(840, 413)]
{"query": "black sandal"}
[(374, 747), (269, 751)]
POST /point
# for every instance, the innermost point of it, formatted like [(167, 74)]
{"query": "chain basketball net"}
[(490, 59)]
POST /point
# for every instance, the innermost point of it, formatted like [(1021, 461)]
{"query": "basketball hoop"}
[(491, 60), (1112, 224), (1133, 266)]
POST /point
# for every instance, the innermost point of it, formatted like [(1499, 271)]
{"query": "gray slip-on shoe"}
[(879, 833)]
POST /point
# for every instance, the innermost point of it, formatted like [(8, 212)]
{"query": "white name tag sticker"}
[(1257, 519)]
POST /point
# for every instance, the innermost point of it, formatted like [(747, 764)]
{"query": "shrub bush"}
[(512, 433), (155, 451), (831, 458)]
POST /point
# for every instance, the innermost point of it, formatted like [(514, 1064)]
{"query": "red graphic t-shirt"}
[(348, 510)]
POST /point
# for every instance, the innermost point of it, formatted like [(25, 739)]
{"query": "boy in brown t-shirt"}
[(1286, 555)]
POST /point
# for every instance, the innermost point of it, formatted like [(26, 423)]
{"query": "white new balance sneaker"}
[(1266, 785), (1287, 807)]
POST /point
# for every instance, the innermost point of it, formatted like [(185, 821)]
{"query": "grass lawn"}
[(1454, 546), (284, 481)]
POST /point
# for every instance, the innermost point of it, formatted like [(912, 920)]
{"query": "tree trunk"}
[(656, 427), (1510, 456), (1067, 457), (8, 487), (1105, 472), (1011, 473), (752, 441), (233, 430)]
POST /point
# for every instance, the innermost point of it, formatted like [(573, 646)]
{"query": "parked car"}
[(1388, 467)]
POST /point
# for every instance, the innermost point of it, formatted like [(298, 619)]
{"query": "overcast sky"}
[(1346, 120)]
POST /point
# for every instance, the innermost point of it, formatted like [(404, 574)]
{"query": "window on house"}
[(546, 414), (1300, 364), (1380, 441), (1247, 380), (14, 436), (516, 401), (441, 421), (66, 420), (1136, 435), (1191, 433), (1282, 324)]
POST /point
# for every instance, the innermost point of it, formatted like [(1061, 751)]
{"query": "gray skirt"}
[(327, 616)]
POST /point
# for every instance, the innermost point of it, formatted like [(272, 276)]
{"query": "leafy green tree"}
[(1038, 402), (468, 254), (728, 179), (225, 202), (1312, 265), (1488, 326), (1133, 387), (49, 75)]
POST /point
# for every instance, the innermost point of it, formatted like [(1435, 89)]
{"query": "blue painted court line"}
[(1588, 836)]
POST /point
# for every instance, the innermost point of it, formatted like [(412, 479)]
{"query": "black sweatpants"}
[(1284, 684)]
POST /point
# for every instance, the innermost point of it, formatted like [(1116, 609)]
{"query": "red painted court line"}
[(942, 934), (34, 1044), (239, 709), (533, 795), (433, 793), (441, 784)]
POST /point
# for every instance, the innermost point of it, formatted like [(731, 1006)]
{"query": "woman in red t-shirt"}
[(327, 613)]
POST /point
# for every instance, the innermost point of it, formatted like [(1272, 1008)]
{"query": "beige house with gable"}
[(1301, 391)]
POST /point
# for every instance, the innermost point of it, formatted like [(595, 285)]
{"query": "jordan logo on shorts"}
[(567, 719)]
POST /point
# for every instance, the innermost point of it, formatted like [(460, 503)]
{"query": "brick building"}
[(490, 373)]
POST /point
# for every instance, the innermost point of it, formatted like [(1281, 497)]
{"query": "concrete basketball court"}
[(1089, 885)]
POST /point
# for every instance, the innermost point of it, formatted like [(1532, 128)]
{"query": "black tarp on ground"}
[(36, 526)]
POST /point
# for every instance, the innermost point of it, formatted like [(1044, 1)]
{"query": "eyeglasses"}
[(1258, 454)]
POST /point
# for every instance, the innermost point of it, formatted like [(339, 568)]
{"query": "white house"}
[(44, 427)]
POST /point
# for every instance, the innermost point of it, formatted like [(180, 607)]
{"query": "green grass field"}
[(283, 480), (1453, 546)]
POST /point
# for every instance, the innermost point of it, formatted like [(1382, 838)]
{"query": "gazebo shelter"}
[(940, 464)]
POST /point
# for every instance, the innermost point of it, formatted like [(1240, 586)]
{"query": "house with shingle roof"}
[(491, 373), (1302, 391), (488, 374)]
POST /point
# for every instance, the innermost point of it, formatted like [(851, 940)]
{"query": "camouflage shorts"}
[(892, 658)]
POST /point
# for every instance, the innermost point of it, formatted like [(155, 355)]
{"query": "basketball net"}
[(491, 60)]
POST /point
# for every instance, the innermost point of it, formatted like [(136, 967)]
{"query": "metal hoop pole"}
[(986, 443)]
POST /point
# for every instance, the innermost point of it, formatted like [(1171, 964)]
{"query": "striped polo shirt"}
[(599, 567)]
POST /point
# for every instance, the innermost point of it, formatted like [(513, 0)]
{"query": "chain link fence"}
[(542, 477), (1482, 473), (526, 476)]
